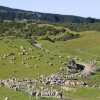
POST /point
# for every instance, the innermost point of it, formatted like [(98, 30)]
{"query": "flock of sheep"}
[(29, 86)]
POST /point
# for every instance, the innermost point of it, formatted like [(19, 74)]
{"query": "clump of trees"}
[(68, 36), (78, 27), (29, 30), (47, 38), (26, 30)]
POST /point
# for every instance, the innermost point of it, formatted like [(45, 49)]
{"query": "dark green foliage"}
[(32, 41), (68, 36), (13, 14), (26, 30), (47, 38), (74, 23), (78, 27)]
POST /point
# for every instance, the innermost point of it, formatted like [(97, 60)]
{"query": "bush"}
[(47, 38), (68, 36)]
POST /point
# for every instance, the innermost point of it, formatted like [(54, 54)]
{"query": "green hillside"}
[(12, 14), (86, 48), (75, 23), (48, 56)]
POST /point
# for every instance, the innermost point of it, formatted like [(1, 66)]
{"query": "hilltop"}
[(74, 23), (12, 14)]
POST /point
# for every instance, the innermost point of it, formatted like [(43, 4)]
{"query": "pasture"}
[(36, 61)]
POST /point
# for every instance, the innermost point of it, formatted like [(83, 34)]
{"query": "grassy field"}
[(83, 93), (19, 95), (8, 70), (80, 94), (87, 48)]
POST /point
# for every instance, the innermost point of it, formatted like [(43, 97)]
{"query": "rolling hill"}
[(36, 46), (75, 23), (12, 14)]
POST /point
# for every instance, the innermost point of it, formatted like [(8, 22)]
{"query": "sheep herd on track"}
[(66, 82)]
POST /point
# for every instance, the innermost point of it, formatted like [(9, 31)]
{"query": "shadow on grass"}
[(80, 67)]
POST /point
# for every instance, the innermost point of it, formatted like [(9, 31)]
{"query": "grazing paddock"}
[(18, 58), (83, 93), (16, 65), (19, 95)]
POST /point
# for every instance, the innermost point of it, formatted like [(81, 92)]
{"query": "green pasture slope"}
[(8, 70), (19, 95), (80, 94), (87, 48)]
